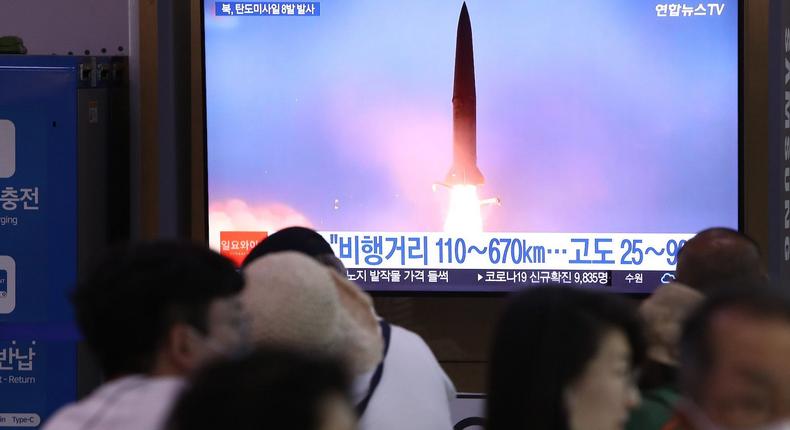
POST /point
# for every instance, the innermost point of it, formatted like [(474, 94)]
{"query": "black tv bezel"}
[(434, 293)]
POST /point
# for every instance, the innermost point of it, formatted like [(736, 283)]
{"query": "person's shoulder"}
[(71, 416), (408, 346), (154, 395), (74, 415), (405, 336), (655, 411), (166, 385), (408, 343)]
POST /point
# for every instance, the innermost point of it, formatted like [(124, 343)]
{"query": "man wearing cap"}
[(293, 300)]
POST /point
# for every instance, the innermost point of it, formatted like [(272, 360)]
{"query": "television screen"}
[(478, 146)]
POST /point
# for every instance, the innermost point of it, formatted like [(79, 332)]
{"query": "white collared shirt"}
[(414, 392)]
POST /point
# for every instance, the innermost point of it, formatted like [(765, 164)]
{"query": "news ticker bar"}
[(470, 280)]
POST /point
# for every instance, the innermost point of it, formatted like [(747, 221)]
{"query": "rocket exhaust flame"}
[(464, 176), (464, 215)]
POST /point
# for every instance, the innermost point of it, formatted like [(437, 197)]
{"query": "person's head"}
[(363, 336), (160, 308), (295, 302), (735, 358), (562, 359), (267, 389), (718, 258), (299, 239), (663, 314)]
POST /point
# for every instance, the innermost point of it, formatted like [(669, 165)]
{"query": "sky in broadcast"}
[(592, 116)]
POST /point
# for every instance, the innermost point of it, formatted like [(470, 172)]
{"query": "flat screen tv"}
[(444, 146)]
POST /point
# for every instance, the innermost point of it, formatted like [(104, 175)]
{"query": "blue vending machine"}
[(63, 199)]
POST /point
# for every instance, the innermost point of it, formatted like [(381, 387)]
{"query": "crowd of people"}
[(186, 341)]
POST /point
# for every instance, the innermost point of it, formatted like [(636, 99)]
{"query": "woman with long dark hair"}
[(563, 359)]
